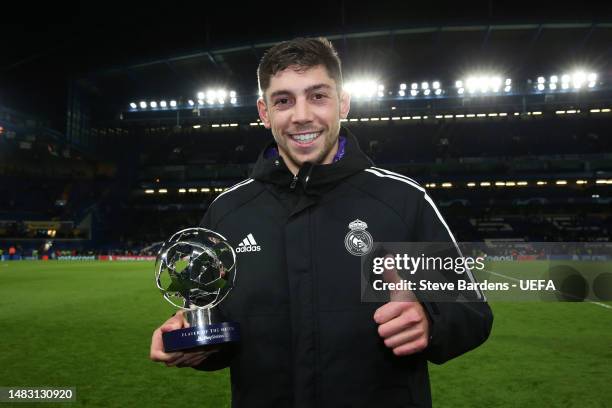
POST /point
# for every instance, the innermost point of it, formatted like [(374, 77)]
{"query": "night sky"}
[(44, 46)]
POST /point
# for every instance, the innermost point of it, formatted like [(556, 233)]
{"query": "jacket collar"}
[(312, 178)]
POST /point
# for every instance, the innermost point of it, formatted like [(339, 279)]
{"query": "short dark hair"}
[(303, 53)]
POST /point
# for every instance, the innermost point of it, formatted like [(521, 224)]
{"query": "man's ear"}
[(345, 104), (262, 109)]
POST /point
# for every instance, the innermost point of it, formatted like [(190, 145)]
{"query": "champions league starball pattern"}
[(196, 267), (195, 271)]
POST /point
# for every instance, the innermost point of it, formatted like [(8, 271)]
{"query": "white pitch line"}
[(518, 280), (600, 304), (504, 276)]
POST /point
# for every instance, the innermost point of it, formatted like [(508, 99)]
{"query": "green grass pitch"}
[(88, 325)]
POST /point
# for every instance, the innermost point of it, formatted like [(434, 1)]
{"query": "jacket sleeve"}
[(456, 326), (222, 358)]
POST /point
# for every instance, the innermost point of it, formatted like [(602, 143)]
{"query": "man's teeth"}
[(305, 138)]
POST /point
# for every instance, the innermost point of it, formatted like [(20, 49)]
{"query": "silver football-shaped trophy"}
[(195, 270)]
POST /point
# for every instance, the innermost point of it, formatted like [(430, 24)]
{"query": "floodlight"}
[(592, 79), (495, 83), (362, 88), (578, 79)]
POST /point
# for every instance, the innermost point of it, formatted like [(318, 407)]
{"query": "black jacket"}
[(307, 338)]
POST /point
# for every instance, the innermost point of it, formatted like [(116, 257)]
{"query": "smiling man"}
[(312, 208), (302, 106)]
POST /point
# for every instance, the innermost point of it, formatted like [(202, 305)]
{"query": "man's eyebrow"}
[(307, 90), (317, 87)]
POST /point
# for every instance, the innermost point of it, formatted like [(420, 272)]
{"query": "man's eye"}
[(281, 101), (319, 96)]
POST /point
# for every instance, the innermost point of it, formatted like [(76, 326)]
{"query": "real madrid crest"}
[(358, 241)]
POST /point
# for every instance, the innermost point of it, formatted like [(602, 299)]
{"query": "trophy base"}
[(198, 336), (204, 329)]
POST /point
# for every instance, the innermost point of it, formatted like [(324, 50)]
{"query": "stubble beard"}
[(319, 159)]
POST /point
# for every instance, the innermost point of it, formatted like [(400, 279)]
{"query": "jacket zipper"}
[(293, 182), (306, 168)]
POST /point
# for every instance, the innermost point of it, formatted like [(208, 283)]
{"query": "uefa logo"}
[(358, 241)]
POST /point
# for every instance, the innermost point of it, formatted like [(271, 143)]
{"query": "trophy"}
[(195, 270)]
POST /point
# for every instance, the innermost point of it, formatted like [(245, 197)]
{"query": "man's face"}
[(303, 109)]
